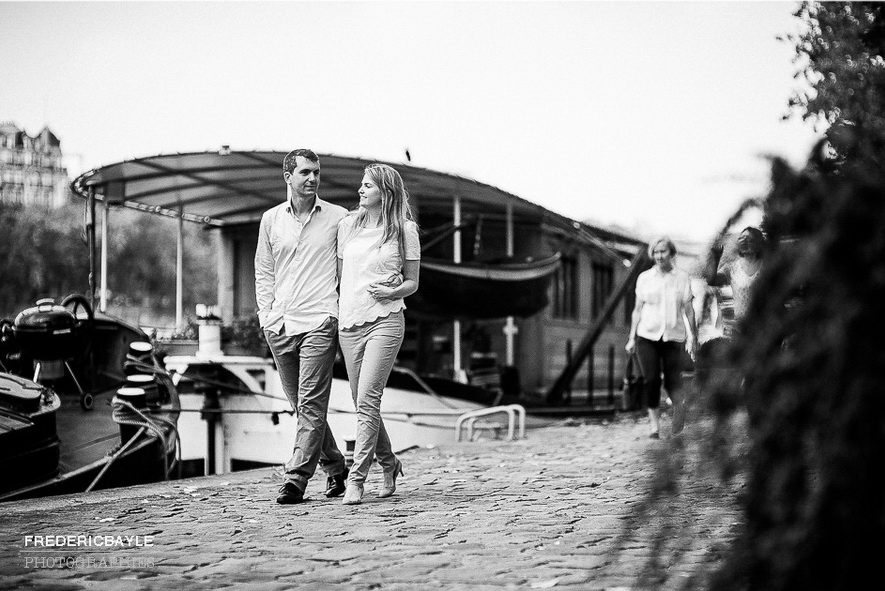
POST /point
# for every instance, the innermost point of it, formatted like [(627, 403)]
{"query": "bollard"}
[(148, 384), (210, 415), (137, 398)]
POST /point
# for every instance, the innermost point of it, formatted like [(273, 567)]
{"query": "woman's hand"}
[(631, 346), (381, 292), (691, 347)]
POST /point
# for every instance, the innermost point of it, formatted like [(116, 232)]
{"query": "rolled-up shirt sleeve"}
[(264, 272)]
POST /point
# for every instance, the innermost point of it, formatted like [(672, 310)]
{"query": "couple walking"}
[(307, 248)]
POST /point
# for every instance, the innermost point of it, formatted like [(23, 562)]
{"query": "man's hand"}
[(631, 346)]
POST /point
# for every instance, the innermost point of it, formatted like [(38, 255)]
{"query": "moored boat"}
[(74, 416), (236, 416)]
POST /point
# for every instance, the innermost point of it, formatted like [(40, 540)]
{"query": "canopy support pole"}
[(103, 293), (179, 273), (90, 241), (509, 327), (457, 369)]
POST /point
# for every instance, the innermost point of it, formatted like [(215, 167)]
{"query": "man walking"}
[(296, 291)]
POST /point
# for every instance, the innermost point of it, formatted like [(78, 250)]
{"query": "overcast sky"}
[(650, 115)]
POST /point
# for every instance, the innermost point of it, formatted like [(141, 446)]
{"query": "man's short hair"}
[(289, 161)]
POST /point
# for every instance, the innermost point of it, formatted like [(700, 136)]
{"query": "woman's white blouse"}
[(664, 297), (365, 263)]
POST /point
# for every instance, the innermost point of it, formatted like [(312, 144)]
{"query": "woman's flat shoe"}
[(390, 481), (353, 495)]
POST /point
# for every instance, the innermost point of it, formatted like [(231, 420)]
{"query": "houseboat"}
[(84, 403), (513, 295)]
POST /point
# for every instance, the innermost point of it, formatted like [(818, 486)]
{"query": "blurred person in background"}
[(663, 324), (739, 274)]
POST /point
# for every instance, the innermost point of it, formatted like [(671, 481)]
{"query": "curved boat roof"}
[(228, 188)]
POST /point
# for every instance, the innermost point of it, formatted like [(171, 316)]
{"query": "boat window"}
[(603, 279), (565, 289)]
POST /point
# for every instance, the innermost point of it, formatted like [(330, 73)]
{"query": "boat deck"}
[(86, 435)]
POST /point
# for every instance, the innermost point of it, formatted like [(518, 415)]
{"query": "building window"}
[(603, 278), (565, 289)]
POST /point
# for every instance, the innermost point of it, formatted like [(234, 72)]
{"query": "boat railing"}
[(427, 388), (514, 412)]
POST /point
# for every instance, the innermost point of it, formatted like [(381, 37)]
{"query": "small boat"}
[(483, 290), (84, 403), (235, 415)]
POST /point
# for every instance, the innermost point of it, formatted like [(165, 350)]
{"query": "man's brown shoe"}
[(336, 485), (290, 494)]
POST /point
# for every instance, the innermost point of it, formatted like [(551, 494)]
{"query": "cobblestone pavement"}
[(555, 510)]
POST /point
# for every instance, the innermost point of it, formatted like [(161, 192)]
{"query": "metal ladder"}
[(513, 412)]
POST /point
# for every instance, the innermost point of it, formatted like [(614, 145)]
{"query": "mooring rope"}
[(124, 413)]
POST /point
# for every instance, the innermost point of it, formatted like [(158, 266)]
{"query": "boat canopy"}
[(475, 290), (230, 189), (235, 187)]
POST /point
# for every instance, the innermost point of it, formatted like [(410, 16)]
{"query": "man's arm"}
[(264, 272)]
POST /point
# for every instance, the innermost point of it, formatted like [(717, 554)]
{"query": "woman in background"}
[(379, 256), (658, 331), (740, 273)]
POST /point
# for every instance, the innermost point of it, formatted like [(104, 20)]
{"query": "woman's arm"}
[(691, 346), (634, 324), (711, 265), (403, 290)]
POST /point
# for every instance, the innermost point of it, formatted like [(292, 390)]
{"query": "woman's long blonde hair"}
[(395, 208)]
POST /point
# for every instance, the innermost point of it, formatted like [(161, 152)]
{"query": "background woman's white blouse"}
[(664, 297), (365, 263)]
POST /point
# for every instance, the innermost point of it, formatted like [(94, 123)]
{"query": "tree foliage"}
[(813, 367), (840, 58), (142, 256), (42, 255), (792, 415), (45, 254)]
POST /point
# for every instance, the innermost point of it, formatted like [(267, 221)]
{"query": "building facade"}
[(32, 172)]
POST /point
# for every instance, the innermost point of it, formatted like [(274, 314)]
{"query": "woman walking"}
[(658, 331), (378, 260)]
